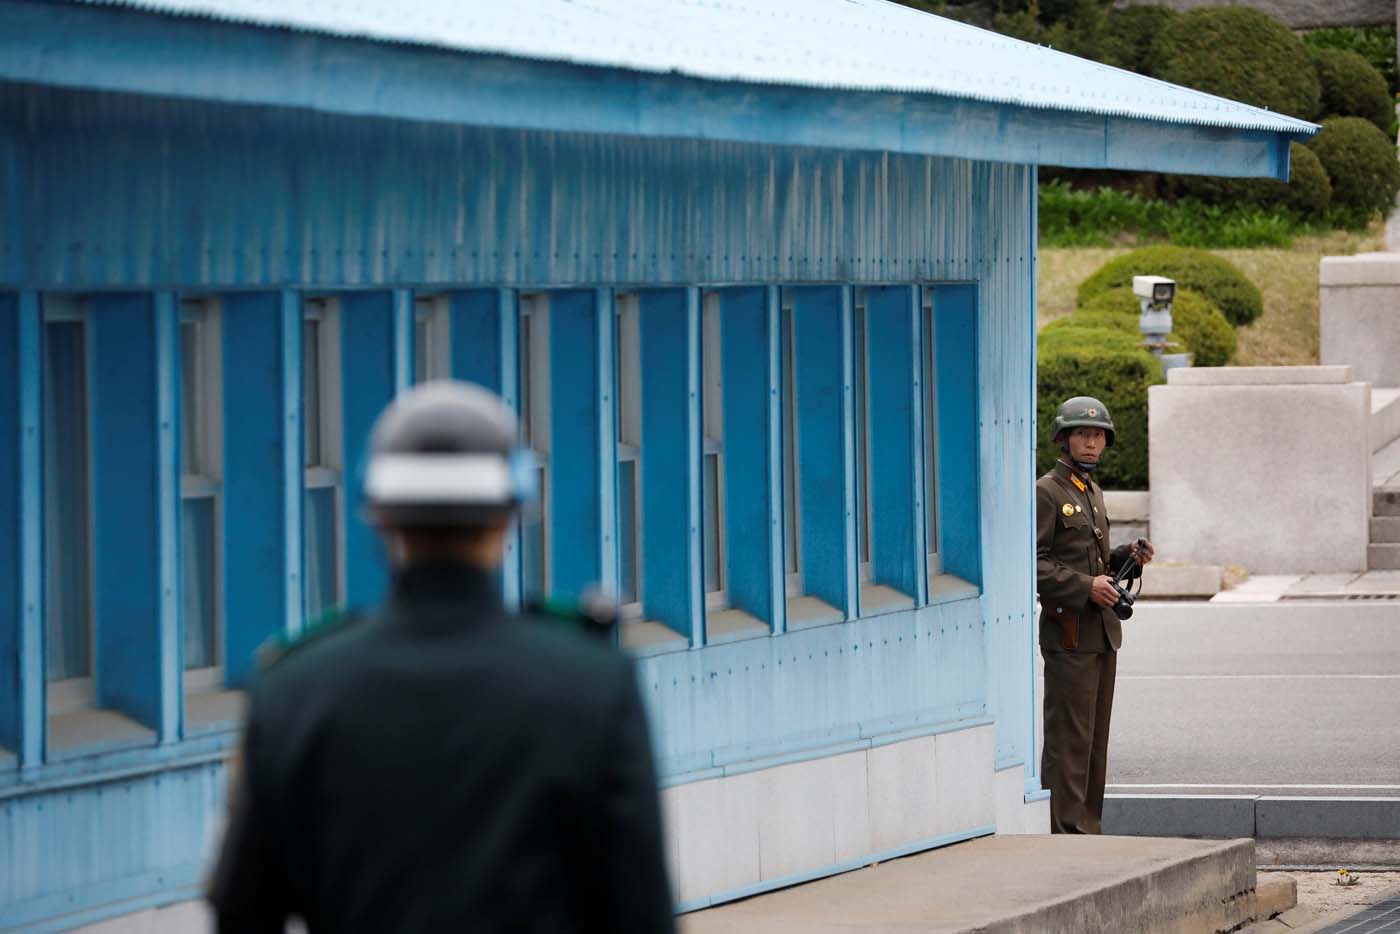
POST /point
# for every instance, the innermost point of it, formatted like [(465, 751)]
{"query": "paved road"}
[(1284, 699)]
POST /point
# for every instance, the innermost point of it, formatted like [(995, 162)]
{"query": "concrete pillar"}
[(1360, 315), (1263, 467)]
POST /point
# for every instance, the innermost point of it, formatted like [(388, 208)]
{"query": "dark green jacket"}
[(446, 767), (1071, 548)]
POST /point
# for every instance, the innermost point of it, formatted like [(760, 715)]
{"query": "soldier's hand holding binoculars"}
[(1142, 551), (1103, 592)]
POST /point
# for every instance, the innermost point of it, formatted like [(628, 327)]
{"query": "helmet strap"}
[(1081, 466)]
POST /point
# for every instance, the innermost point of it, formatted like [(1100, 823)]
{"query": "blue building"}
[(760, 278)]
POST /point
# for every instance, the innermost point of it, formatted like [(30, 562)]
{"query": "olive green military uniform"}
[(1079, 640)]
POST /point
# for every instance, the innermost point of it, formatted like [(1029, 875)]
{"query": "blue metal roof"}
[(851, 45)]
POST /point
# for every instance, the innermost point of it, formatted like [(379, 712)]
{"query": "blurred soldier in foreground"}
[(440, 765), (1080, 608)]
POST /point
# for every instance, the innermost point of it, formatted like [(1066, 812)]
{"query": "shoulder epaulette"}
[(593, 614), (315, 629)]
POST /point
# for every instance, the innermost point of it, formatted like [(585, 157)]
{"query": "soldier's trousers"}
[(1074, 763)]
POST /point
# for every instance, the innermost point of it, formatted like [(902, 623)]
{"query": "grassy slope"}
[(1287, 332)]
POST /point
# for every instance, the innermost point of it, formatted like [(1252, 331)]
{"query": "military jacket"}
[(1071, 546), (440, 765)]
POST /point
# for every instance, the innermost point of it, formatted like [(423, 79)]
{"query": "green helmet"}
[(1082, 412)]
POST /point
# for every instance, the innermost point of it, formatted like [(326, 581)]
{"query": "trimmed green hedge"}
[(1307, 192), (1352, 88), (1360, 161), (1128, 35), (1239, 53), (1214, 277), (1376, 44), (1106, 363), (1197, 324)]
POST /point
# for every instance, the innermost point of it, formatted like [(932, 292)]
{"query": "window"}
[(935, 564), (534, 426), (322, 502), (712, 468), (629, 446), (68, 534), (201, 472), (862, 425), (432, 330)]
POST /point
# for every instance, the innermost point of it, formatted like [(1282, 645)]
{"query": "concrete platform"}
[(1023, 884)]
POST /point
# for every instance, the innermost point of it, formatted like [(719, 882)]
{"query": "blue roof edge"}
[(125, 50)]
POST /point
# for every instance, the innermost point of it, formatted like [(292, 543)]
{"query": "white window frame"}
[(434, 314), (712, 417), (934, 558), (207, 316), (533, 362), (73, 694), (628, 321), (329, 470), (792, 515)]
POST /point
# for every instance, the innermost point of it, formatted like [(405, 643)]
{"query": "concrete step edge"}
[(1259, 816), (1191, 893)]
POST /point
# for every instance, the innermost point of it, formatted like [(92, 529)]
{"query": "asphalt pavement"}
[(1290, 698)]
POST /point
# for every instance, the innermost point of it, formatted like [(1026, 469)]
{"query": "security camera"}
[(1154, 290)]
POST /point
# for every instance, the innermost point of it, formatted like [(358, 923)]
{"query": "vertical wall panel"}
[(258, 429), (825, 475), (126, 507), (485, 350), (368, 381), (477, 337), (168, 440), (896, 450), (576, 442), (670, 460), (753, 480), (21, 479), (959, 463)]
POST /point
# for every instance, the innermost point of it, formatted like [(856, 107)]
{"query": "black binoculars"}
[(1122, 582)]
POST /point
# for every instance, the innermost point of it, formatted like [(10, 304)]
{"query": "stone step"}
[(1383, 557), (1024, 885), (1385, 529), (1385, 502)]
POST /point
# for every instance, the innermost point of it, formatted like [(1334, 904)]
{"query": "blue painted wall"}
[(248, 202), (255, 482), (125, 471)]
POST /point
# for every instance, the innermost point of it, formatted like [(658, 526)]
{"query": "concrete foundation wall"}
[(1359, 315), (1263, 467), (758, 830)]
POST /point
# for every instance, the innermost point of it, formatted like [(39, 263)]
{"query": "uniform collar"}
[(1066, 472), (444, 584)]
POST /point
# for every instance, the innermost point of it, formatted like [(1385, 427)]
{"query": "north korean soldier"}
[(1079, 633), (440, 765)]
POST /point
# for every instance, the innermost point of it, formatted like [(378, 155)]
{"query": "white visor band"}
[(459, 479)]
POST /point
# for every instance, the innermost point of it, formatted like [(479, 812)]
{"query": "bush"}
[(1360, 162), (1352, 88), (1128, 35), (1308, 192), (1075, 218), (1376, 44), (1210, 275), (1197, 325), (1106, 363), (1090, 318), (1239, 53)]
